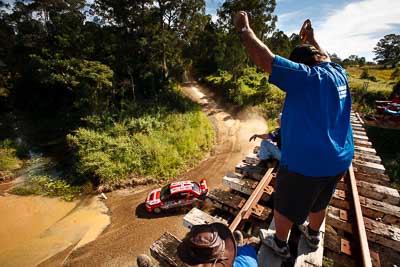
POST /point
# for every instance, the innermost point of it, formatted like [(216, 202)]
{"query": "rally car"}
[(175, 195)]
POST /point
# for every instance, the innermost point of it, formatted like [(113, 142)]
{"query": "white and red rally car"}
[(176, 194)]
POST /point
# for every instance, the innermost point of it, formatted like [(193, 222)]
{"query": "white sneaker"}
[(268, 239), (311, 240)]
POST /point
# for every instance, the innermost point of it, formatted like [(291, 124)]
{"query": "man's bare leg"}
[(316, 219), (282, 226)]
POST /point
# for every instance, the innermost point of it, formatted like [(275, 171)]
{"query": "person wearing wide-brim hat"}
[(208, 245)]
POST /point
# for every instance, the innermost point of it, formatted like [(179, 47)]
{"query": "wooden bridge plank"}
[(361, 137), (251, 171), (375, 191), (198, 217), (245, 186), (164, 250), (376, 178), (383, 234), (369, 150), (232, 203), (359, 132), (249, 207), (369, 166), (371, 208), (367, 157), (363, 143)]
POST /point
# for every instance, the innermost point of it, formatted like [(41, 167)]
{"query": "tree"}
[(260, 14), (335, 58), (280, 44), (387, 50)]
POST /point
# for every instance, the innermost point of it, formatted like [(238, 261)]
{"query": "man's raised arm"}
[(259, 53)]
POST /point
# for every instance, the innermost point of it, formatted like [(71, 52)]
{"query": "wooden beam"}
[(373, 209), (252, 159), (369, 166), (164, 250), (356, 124), (361, 133), (363, 143), (380, 233), (248, 170), (332, 248), (369, 150), (247, 209), (361, 137), (246, 186), (367, 157), (197, 217), (232, 203), (376, 178), (376, 192)]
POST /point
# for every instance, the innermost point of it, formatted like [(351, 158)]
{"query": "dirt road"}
[(132, 230)]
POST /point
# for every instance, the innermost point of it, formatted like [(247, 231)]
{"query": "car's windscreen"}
[(165, 192), (196, 187)]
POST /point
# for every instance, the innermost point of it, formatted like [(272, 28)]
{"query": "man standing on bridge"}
[(317, 142)]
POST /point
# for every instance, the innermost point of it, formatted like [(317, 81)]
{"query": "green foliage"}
[(387, 50), (273, 103), (364, 74), (11, 156), (260, 12), (250, 87), (48, 186), (159, 145), (396, 74), (90, 81)]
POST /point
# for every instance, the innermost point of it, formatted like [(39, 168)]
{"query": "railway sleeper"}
[(374, 191), (371, 208), (380, 233)]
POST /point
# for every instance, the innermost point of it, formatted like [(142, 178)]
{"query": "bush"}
[(372, 78), (364, 74), (9, 156), (159, 145), (250, 88), (396, 74)]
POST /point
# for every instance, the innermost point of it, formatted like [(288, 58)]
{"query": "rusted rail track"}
[(362, 221)]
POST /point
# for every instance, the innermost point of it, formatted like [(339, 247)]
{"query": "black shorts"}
[(297, 195)]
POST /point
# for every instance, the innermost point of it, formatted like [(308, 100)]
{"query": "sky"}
[(343, 27)]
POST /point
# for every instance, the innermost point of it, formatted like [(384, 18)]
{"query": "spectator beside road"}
[(317, 142)]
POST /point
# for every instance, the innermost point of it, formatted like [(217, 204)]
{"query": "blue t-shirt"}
[(316, 133), (246, 257)]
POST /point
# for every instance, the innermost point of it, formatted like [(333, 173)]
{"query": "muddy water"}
[(35, 228)]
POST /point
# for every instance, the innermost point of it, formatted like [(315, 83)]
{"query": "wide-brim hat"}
[(208, 245)]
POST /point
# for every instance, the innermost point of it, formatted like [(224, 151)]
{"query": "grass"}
[(381, 89), (10, 158)]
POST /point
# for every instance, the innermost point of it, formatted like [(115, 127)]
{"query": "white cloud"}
[(358, 27)]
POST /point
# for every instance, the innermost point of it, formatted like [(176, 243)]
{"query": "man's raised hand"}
[(306, 32), (241, 21)]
